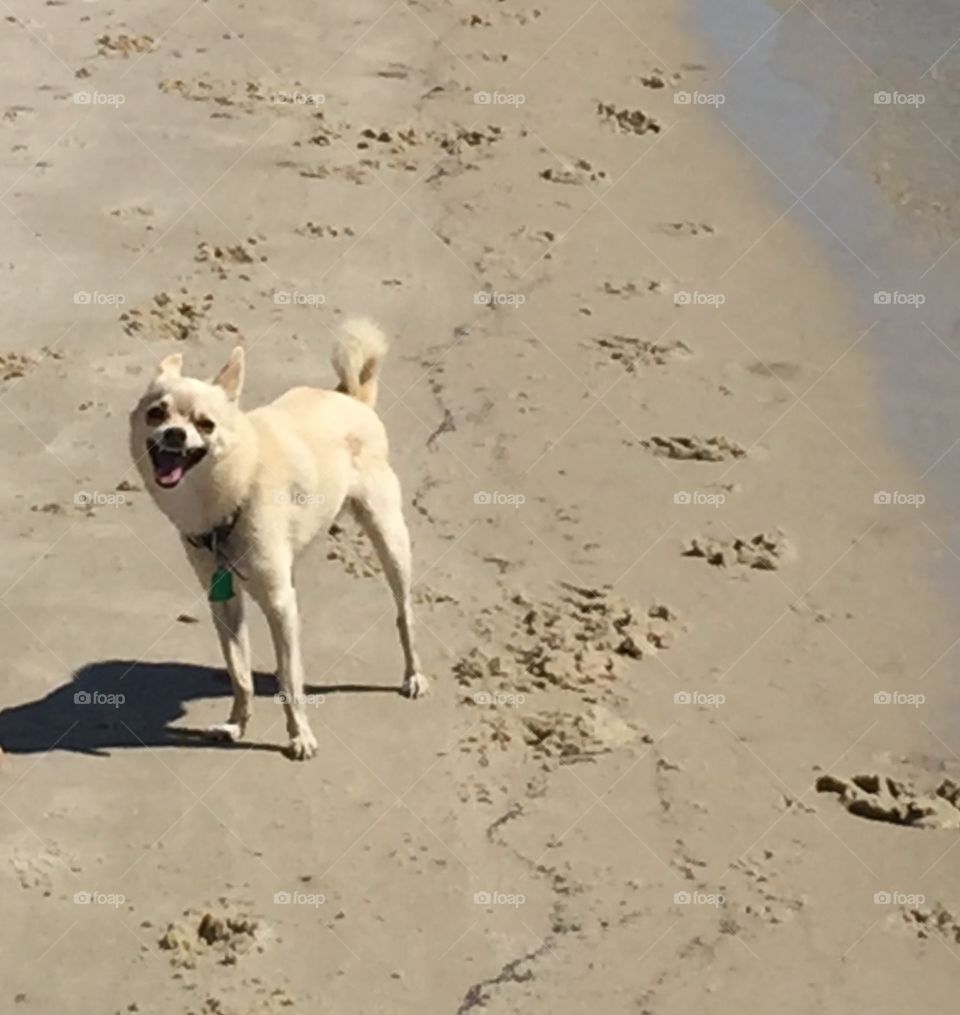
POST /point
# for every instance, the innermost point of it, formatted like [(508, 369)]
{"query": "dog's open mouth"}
[(170, 466)]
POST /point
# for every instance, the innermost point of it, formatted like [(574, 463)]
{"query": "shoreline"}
[(655, 592)]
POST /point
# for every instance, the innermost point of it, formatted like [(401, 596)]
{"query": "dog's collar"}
[(215, 539)]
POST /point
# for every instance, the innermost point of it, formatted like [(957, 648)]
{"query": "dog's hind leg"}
[(378, 506), (231, 628)]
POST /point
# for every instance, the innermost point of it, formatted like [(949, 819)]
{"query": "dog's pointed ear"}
[(171, 366), (230, 377)]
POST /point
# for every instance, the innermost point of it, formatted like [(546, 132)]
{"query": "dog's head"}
[(183, 423)]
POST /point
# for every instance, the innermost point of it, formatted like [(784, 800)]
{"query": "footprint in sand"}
[(577, 174), (124, 45), (935, 919), (628, 351), (695, 449), (628, 121), (627, 290), (882, 798), (687, 228), (321, 232), (181, 316), (223, 261), (762, 552)]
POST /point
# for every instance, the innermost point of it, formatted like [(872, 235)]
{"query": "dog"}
[(249, 491)]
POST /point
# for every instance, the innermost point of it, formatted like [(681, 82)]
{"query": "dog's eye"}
[(157, 414), (205, 425)]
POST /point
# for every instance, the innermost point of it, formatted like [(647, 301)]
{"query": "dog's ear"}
[(171, 366), (230, 377)]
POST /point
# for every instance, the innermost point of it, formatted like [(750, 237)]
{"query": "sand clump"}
[(882, 798), (222, 937)]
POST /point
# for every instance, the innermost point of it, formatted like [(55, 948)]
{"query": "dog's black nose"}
[(174, 437)]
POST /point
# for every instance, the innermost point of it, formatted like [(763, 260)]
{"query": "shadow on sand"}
[(123, 703)]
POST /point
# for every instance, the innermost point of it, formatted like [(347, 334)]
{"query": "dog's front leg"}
[(283, 616), (231, 628)]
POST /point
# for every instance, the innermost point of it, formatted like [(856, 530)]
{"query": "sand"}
[(656, 594)]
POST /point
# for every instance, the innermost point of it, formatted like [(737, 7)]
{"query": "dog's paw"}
[(228, 731), (415, 685), (302, 746)]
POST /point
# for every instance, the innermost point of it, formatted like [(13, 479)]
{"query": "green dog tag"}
[(221, 585)]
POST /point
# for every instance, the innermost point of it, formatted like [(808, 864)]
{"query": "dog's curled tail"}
[(357, 357)]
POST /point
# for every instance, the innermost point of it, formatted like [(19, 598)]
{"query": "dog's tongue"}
[(168, 473)]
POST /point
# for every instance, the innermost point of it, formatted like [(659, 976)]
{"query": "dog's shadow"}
[(123, 703)]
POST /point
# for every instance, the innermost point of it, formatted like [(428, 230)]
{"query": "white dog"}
[(249, 490)]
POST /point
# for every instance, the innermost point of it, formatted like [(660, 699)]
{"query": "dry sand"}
[(656, 597)]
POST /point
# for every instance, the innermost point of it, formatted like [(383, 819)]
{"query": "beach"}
[(683, 593)]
